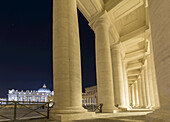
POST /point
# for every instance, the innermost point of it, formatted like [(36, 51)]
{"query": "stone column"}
[(133, 95), (140, 92), (136, 94), (103, 64), (147, 85), (126, 90), (160, 30), (66, 58), (154, 80), (151, 88), (143, 89), (118, 77), (130, 95)]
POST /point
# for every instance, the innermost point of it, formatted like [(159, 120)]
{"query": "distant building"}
[(45, 95), (90, 96), (3, 101), (30, 96)]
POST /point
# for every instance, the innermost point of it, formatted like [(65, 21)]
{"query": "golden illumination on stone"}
[(126, 56)]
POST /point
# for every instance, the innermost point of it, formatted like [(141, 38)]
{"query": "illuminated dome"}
[(44, 89)]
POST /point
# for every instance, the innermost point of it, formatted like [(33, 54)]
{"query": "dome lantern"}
[(44, 89)]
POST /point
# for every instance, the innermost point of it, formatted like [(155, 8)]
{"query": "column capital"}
[(124, 61), (147, 33), (139, 77), (102, 20), (116, 46)]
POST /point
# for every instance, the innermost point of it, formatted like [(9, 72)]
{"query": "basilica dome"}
[(44, 89)]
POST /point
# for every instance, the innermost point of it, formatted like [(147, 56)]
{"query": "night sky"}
[(26, 46)]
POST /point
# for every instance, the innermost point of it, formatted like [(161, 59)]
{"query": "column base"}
[(109, 110), (123, 107), (129, 108), (68, 110), (158, 116), (143, 107), (152, 108), (155, 108), (70, 117), (136, 106), (149, 107)]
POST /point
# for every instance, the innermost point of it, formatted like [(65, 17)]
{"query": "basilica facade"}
[(89, 97), (41, 95)]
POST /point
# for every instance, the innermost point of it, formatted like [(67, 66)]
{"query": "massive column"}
[(66, 58), (147, 85), (136, 94), (118, 76), (133, 95), (103, 64), (140, 92), (143, 89), (130, 95), (151, 89), (126, 90), (160, 30), (155, 87)]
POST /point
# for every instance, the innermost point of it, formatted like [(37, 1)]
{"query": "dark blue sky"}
[(26, 46)]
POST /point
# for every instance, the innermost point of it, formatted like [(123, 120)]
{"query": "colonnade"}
[(143, 92), (112, 82)]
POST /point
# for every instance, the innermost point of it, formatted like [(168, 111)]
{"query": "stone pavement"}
[(107, 117)]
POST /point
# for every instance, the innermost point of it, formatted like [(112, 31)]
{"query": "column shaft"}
[(126, 90), (66, 58), (140, 92), (130, 95), (136, 94), (147, 86), (133, 95), (103, 65), (155, 87), (118, 77), (143, 89), (151, 90)]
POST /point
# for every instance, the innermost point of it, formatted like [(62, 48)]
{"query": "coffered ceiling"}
[(129, 20)]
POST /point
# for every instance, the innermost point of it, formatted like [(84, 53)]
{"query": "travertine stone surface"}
[(155, 87), (143, 89), (130, 95), (118, 76), (150, 81), (103, 65), (133, 95), (140, 92), (147, 86), (136, 94), (160, 27), (126, 92), (66, 58)]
